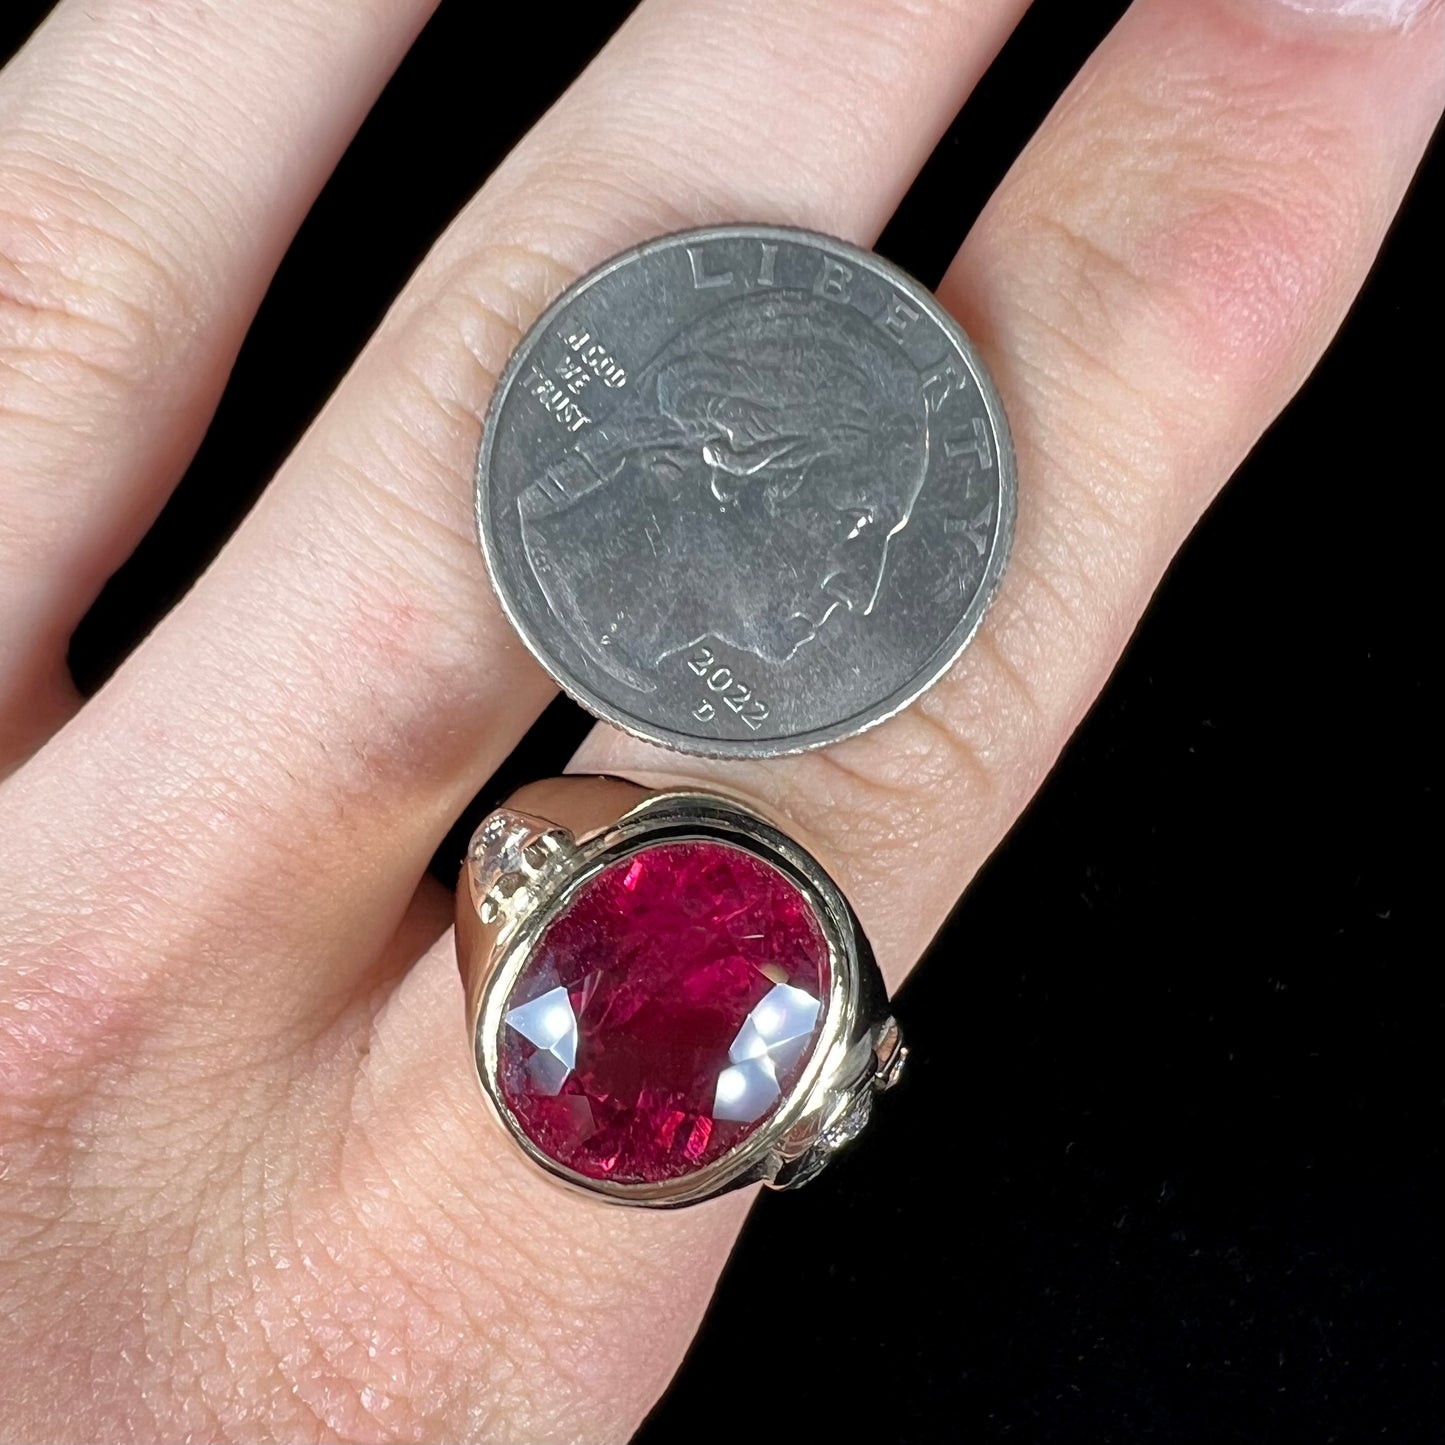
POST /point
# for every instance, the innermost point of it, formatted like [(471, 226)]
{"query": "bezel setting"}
[(524, 868)]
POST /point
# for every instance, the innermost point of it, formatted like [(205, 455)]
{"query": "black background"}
[(1166, 1165)]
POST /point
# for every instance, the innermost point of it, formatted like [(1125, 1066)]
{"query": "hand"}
[(246, 1187)]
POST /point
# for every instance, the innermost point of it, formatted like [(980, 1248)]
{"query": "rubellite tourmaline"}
[(664, 1013)]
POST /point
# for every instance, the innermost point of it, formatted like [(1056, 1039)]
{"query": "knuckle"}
[(876, 797), (903, 766), (1174, 251), (436, 371), (591, 192), (1256, 245), (87, 309), (492, 294), (1189, 234)]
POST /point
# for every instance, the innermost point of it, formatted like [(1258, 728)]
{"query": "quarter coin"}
[(745, 490)]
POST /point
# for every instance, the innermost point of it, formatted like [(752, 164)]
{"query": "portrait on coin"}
[(756, 471)]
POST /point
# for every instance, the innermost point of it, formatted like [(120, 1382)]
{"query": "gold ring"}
[(668, 995)]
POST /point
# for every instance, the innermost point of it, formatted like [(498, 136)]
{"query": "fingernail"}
[(1367, 14)]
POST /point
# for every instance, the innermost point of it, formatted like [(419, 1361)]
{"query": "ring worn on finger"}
[(668, 997)]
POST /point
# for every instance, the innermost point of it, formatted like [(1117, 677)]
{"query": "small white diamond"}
[(500, 850)]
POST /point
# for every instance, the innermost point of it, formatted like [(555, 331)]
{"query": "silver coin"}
[(745, 490)]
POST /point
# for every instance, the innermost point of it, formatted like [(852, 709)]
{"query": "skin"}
[(247, 1190)]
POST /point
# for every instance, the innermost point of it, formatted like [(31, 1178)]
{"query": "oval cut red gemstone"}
[(664, 1013)]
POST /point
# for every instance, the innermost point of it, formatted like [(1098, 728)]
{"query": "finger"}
[(295, 741), (1151, 283), (154, 163)]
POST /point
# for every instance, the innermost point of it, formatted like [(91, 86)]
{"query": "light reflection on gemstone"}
[(772, 1037), (549, 1023), (745, 1091)]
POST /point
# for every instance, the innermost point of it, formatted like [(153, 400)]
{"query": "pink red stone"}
[(664, 1014)]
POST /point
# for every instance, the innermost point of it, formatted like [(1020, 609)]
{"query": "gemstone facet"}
[(664, 1013)]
